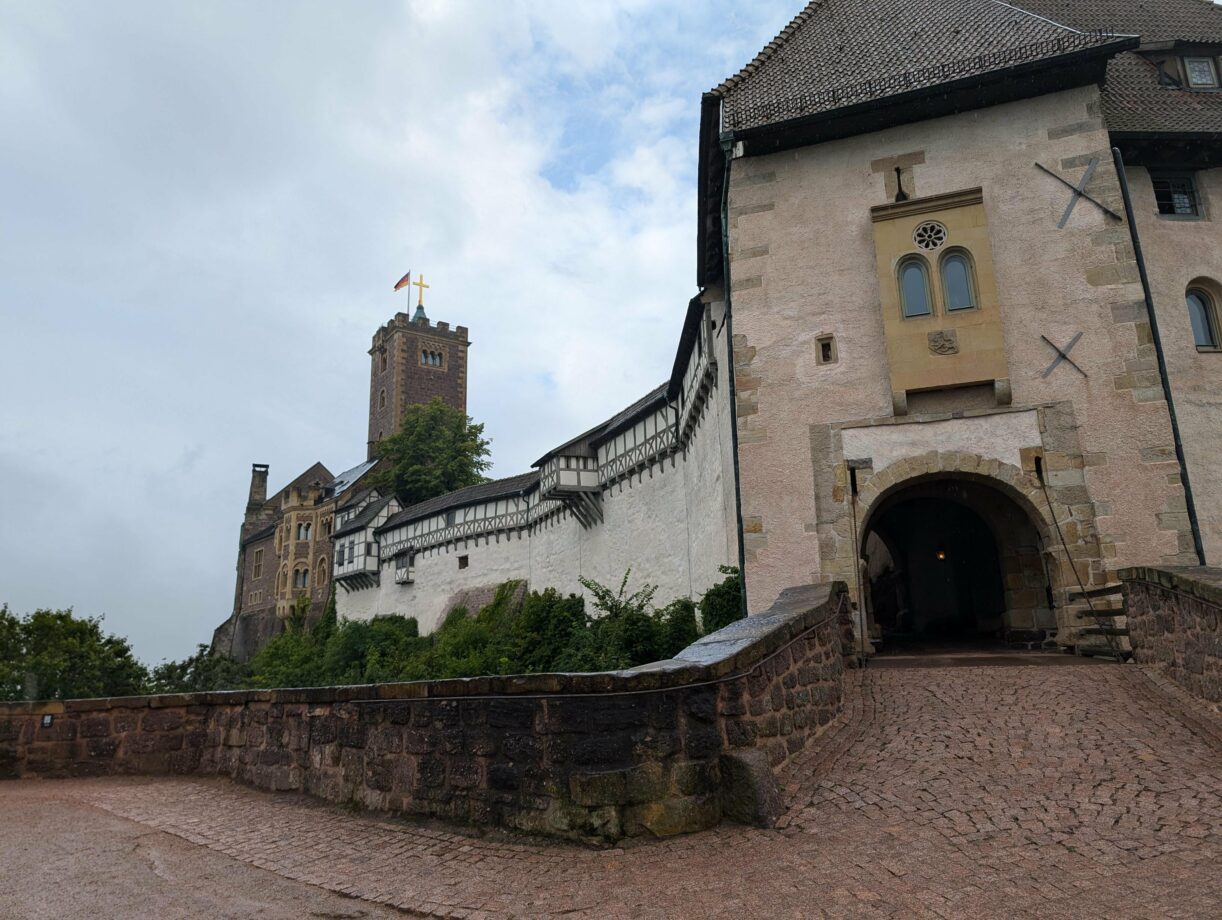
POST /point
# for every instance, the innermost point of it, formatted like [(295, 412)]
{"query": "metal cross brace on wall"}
[(1079, 191), (1063, 355)]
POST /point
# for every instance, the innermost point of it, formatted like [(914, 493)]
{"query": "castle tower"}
[(412, 361)]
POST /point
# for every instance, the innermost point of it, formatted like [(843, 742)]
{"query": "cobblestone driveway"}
[(997, 791)]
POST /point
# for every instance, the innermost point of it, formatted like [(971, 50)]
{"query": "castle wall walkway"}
[(942, 792), (661, 749)]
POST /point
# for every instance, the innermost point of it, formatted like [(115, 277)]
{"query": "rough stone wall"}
[(1179, 252), (605, 755), (803, 266), (404, 380), (1175, 624)]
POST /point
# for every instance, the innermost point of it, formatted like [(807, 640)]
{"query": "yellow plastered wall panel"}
[(945, 347)]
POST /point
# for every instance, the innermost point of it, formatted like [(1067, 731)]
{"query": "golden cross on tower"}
[(420, 285)]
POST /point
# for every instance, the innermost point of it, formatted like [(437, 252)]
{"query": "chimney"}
[(258, 487)]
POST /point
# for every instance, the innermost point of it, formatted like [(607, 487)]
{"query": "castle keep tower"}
[(412, 361)]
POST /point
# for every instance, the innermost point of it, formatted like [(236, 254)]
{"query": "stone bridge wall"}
[(660, 749), (1175, 624)]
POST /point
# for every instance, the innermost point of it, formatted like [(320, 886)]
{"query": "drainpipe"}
[(1162, 359), (727, 149)]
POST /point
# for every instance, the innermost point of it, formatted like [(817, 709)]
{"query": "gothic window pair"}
[(1203, 314), (301, 578), (958, 284), (431, 359), (303, 531)]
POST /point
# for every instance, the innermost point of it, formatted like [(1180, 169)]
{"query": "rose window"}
[(929, 235)]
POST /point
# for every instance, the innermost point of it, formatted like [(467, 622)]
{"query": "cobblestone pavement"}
[(962, 791)]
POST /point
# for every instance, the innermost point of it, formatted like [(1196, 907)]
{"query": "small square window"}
[(826, 350), (464, 561), (1176, 194), (1201, 72)]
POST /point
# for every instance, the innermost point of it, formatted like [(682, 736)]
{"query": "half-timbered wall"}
[(667, 497)]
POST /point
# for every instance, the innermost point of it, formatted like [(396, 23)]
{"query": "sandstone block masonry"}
[(1175, 624), (659, 750)]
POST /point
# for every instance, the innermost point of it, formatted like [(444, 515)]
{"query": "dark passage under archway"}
[(953, 561)]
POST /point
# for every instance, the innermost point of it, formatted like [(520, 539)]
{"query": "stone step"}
[(1103, 631)]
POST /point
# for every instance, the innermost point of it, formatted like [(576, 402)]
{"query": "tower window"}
[(1204, 316), (1176, 194), (385, 362), (914, 287), (382, 400), (958, 285)]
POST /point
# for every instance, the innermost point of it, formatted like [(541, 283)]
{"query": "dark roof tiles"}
[(1156, 21), (840, 53), (512, 485)]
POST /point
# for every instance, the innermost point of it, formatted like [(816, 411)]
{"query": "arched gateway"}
[(957, 547)]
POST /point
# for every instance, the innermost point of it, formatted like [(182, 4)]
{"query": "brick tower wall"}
[(399, 377)]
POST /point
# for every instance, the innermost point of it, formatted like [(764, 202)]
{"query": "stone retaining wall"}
[(1175, 624), (660, 749)]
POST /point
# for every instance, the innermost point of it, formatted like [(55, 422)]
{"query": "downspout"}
[(727, 146), (1162, 359)]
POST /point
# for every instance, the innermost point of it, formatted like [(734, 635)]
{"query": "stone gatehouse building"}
[(956, 341)]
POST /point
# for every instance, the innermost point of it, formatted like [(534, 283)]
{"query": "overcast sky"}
[(203, 209)]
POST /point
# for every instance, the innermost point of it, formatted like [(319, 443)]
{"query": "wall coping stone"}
[(1199, 581), (717, 657)]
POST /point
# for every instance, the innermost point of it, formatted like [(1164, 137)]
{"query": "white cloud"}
[(206, 206)]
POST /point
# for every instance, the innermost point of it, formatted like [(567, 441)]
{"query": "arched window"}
[(284, 579), (384, 362), (308, 529), (1204, 316), (382, 400), (424, 357), (320, 573), (914, 287), (958, 281)]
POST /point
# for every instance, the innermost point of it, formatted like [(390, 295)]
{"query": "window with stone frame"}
[(257, 566), (915, 297), (1203, 314), (1176, 194), (958, 280)]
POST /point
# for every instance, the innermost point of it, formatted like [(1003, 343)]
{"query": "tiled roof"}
[(1133, 99), (1135, 102), (841, 53), (362, 520), (584, 444), (348, 478), (512, 485), (1153, 20)]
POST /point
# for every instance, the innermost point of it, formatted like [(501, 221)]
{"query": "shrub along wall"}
[(661, 749), (1175, 623)]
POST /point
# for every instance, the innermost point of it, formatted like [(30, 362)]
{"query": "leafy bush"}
[(53, 654), (722, 604)]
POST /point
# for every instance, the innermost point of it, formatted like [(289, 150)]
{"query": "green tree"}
[(198, 673), (722, 604), (51, 654), (436, 450)]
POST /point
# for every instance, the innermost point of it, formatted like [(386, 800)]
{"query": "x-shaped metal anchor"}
[(1079, 191), (1063, 355)]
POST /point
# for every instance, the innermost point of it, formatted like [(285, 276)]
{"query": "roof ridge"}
[(769, 49), (1042, 18)]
